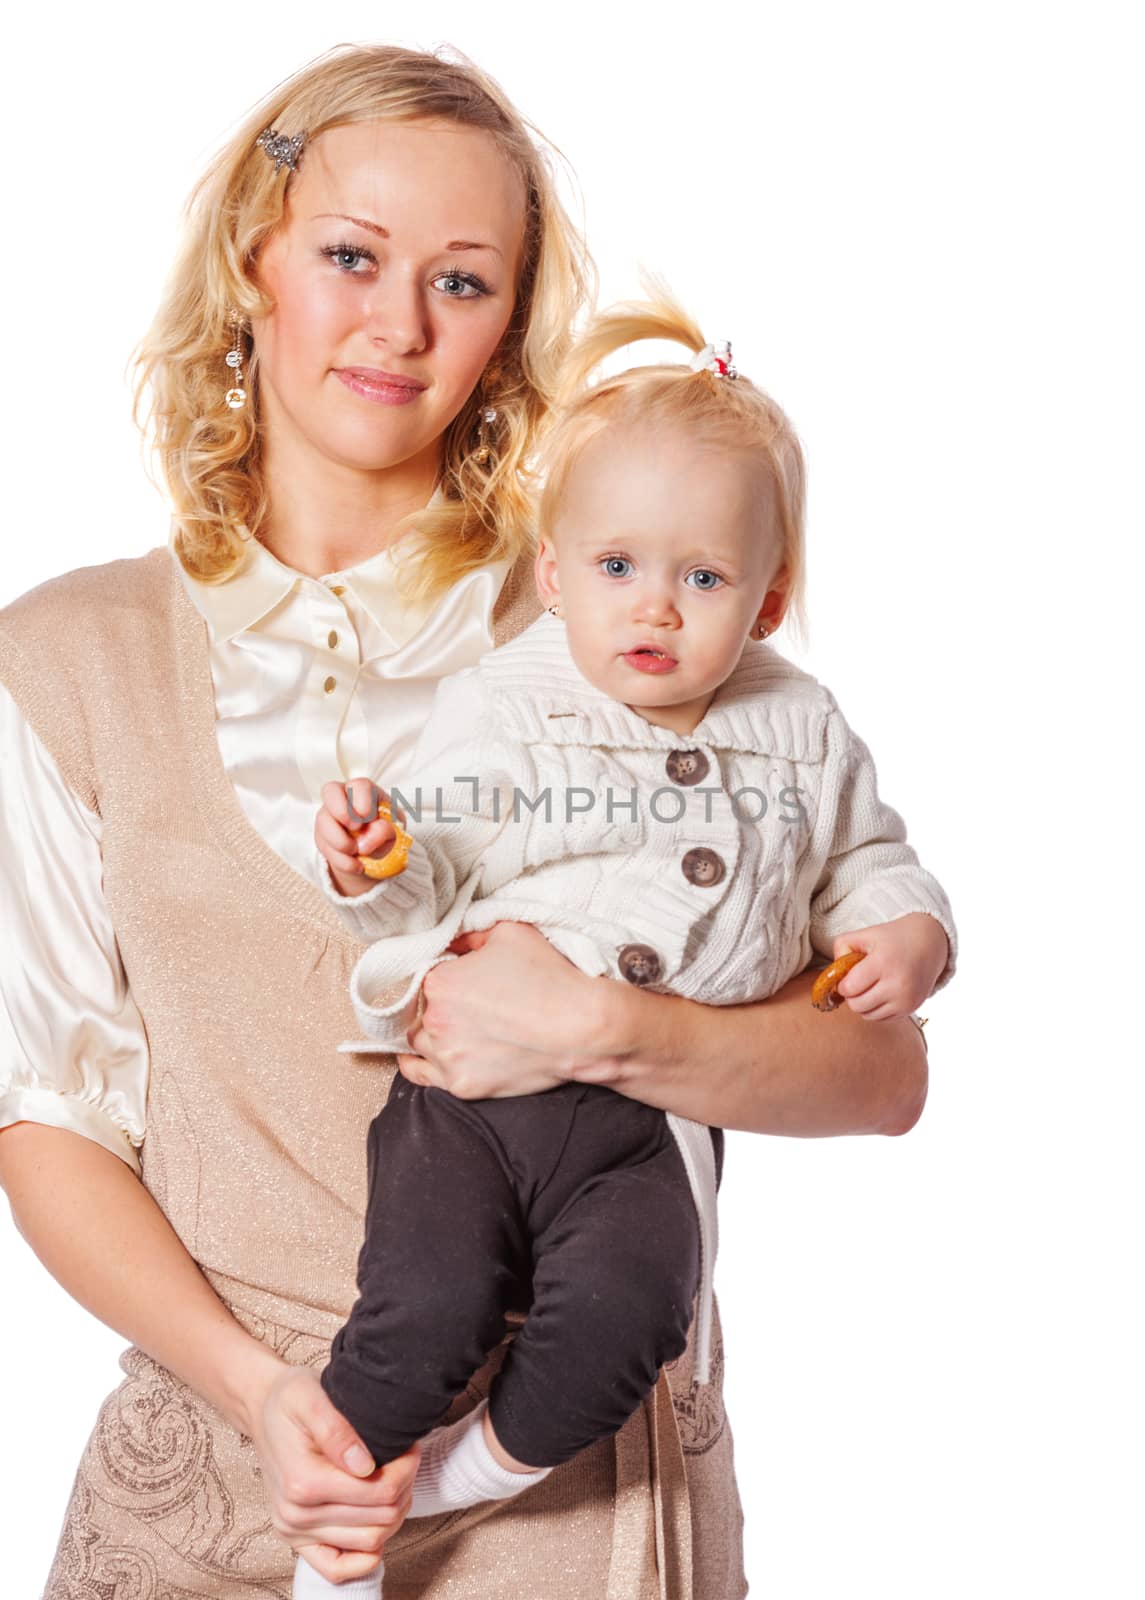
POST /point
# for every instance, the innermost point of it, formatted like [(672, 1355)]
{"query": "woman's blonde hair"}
[(210, 457), (714, 411)]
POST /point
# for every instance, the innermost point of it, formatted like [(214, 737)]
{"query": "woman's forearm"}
[(771, 1066), (101, 1235)]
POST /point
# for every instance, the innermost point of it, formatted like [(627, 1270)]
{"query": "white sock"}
[(458, 1469), (311, 1585)]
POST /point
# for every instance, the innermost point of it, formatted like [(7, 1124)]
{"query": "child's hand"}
[(343, 840), (901, 963)]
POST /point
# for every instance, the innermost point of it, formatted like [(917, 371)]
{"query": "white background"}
[(919, 226)]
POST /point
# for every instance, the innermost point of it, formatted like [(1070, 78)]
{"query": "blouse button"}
[(329, 685), (332, 640), (639, 963), (703, 867), (686, 766), (338, 588)]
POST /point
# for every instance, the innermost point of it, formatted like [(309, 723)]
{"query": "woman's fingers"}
[(336, 1565)]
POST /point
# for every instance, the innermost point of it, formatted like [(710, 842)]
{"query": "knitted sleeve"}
[(456, 807), (870, 873), (73, 1050)]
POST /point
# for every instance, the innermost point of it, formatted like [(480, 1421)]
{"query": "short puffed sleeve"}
[(73, 1049)]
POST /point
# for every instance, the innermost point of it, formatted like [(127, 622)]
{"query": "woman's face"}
[(393, 277)]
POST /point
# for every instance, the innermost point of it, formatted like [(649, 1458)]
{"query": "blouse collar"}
[(265, 581)]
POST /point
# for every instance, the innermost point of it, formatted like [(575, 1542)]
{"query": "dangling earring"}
[(236, 394), (483, 451)]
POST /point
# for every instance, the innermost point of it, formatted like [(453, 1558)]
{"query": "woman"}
[(192, 975)]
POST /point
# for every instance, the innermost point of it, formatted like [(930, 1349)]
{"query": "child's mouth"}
[(645, 659)]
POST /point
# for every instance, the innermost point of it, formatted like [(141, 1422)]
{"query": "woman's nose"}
[(398, 319)]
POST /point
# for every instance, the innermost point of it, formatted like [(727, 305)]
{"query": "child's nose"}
[(655, 605)]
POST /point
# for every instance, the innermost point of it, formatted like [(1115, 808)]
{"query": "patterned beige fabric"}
[(255, 1150)]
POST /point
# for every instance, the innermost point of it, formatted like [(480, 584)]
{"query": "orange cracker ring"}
[(823, 995), (394, 860)]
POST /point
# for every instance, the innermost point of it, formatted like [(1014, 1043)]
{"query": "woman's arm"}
[(102, 1236), (771, 1066), (515, 1017)]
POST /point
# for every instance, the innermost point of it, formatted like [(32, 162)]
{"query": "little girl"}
[(675, 805)]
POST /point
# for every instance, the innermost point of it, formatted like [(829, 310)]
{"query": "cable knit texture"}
[(714, 865)]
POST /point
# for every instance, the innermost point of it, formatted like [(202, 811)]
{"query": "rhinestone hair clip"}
[(715, 358), (282, 151)]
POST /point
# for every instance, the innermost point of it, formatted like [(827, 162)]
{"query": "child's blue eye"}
[(610, 563), (704, 572)]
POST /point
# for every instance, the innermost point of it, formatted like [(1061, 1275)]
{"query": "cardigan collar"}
[(767, 704)]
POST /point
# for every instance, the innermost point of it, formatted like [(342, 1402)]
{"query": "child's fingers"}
[(362, 796), (862, 976), (376, 839), (354, 807), (870, 1000), (339, 847), (884, 1013)]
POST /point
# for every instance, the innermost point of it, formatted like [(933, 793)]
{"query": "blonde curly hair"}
[(728, 413), (210, 457)]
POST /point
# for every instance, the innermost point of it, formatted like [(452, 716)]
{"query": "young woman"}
[(349, 369)]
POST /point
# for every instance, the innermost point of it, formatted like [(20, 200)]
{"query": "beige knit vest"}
[(255, 1128)]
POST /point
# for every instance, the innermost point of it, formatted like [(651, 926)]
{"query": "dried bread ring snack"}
[(394, 860), (823, 995)]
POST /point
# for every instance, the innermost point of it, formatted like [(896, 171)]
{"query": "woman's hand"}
[(327, 1499), (513, 1017)]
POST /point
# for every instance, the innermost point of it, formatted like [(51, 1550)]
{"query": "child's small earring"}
[(554, 609)]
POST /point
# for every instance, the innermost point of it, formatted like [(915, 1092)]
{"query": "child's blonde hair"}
[(729, 413), (210, 457)]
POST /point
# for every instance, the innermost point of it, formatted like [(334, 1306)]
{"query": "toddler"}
[(674, 805)]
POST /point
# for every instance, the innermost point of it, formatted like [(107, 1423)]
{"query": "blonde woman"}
[(350, 368)]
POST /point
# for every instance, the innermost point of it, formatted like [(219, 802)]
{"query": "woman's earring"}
[(554, 609), (483, 451), (236, 394), (762, 630)]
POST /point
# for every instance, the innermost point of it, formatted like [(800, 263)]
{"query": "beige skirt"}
[(168, 1503)]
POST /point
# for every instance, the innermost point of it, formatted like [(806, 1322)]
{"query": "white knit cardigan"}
[(714, 865)]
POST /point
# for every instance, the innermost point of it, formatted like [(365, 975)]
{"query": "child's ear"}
[(775, 600), (545, 573)]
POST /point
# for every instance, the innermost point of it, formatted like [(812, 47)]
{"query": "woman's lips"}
[(647, 661), (384, 388)]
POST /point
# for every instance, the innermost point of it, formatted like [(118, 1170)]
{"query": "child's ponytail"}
[(720, 411)]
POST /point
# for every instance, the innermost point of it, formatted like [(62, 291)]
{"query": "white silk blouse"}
[(315, 679)]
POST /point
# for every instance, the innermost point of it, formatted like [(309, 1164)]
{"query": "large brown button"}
[(686, 766), (639, 963), (703, 867)]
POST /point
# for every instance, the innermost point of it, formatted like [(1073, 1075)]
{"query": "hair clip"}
[(282, 151), (715, 358)]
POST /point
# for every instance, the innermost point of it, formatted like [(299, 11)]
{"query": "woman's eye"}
[(714, 579), (610, 564), (461, 285), (348, 256)]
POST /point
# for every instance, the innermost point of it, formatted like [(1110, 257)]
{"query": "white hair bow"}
[(715, 358)]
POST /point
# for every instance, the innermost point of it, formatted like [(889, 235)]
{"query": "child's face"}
[(662, 543)]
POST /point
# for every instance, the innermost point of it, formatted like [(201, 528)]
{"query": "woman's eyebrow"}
[(384, 233)]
